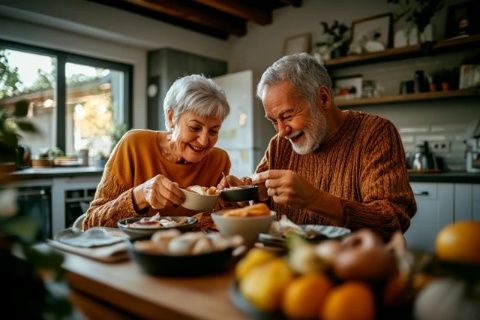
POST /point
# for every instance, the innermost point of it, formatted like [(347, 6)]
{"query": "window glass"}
[(31, 76), (94, 105)]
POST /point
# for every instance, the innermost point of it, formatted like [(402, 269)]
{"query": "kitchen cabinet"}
[(439, 204), (412, 54), (167, 65), (435, 204)]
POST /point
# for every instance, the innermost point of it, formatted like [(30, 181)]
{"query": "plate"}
[(185, 266), (248, 308), (147, 231), (240, 193), (313, 232)]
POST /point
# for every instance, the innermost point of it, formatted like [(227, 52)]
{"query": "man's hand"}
[(287, 188)]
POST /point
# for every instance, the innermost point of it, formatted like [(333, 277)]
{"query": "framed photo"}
[(297, 44), (462, 19), (349, 87), (373, 33)]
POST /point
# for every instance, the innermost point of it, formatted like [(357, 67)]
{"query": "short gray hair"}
[(301, 70), (195, 93)]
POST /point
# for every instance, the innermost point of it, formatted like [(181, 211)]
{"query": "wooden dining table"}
[(122, 290)]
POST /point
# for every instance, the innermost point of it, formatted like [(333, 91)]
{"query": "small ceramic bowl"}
[(247, 227), (200, 202), (240, 193), (134, 232)]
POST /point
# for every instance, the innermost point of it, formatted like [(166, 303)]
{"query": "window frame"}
[(64, 57)]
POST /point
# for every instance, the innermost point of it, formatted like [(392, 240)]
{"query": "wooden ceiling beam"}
[(195, 14), (294, 3), (240, 9)]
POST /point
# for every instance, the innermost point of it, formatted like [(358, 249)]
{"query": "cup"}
[(83, 155)]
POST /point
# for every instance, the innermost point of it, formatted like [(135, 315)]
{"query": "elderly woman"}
[(147, 168)]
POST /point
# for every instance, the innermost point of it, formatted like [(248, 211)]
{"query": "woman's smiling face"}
[(194, 136)]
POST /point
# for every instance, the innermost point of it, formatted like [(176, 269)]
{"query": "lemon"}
[(264, 285), (254, 258)]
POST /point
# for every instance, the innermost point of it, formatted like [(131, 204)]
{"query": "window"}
[(76, 102)]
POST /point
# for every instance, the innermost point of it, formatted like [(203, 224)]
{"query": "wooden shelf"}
[(405, 52), (408, 97)]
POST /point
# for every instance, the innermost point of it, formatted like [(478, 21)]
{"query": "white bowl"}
[(247, 227), (196, 201)]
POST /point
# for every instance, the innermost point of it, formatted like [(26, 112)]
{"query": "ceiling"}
[(216, 18)]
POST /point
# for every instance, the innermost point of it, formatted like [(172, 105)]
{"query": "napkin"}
[(99, 243)]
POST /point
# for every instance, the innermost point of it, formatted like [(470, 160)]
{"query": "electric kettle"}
[(423, 159)]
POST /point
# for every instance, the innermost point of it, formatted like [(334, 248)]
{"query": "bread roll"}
[(259, 209)]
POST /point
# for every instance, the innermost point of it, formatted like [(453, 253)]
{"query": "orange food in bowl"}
[(459, 242), (259, 209)]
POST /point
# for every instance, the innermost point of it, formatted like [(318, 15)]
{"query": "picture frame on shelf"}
[(297, 44), (348, 87), (461, 19), (372, 34)]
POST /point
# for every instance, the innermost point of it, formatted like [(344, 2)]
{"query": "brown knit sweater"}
[(363, 164), (136, 159)]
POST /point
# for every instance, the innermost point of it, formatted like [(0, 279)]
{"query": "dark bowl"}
[(141, 232), (185, 266), (240, 193)]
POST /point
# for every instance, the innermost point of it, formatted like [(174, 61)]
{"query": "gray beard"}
[(314, 132)]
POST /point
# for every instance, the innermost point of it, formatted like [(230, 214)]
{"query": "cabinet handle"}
[(421, 193), (31, 193)]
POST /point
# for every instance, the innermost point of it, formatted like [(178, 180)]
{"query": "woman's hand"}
[(285, 187), (158, 192)]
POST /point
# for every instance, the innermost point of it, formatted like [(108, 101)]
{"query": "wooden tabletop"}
[(126, 291)]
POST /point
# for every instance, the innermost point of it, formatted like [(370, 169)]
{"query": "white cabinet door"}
[(467, 202), (435, 204)]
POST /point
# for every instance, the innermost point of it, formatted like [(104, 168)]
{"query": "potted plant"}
[(12, 121), (334, 43), (420, 13), (33, 278)]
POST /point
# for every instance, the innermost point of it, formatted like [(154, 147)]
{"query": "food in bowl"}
[(247, 222), (206, 191), (259, 209), (157, 221), (134, 228), (197, 201), (172, 242)]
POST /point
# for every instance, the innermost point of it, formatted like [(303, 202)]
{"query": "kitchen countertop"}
[(42, 173), (450, 177)]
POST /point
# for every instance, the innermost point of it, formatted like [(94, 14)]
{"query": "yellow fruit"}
[(254, 258), (304, 297), (349, 301), (264, 285), (459, 242)]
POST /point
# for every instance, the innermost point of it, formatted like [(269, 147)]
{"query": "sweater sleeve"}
[(114, 197), (387, 202)]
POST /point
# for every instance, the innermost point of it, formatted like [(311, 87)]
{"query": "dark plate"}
[(241, 193), (139, 232), (315, 233), (184, 266), (248, 308)]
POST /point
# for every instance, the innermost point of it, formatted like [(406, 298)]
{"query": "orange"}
[(254, 258), (305, 296), (349, 301), (459, 242)]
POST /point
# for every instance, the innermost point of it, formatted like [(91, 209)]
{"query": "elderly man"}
[(325, 165)]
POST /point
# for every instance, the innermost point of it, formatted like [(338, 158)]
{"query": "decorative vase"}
[(427, 34)]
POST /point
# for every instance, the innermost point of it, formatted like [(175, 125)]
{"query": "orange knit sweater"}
[(136, 159), (363, 164)]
